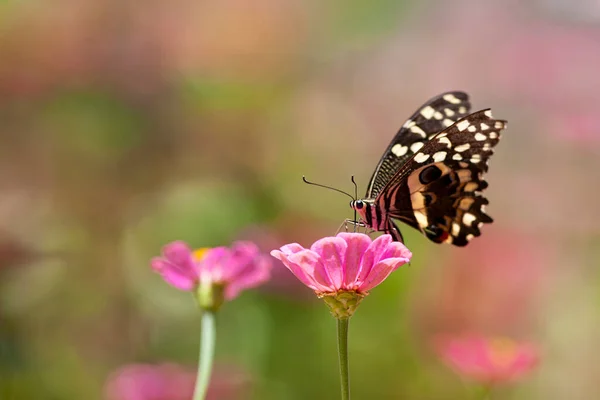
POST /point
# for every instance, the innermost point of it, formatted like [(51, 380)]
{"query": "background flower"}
[(237, 268), (172, 382), (489, 360)]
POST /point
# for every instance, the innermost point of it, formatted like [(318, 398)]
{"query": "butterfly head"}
[(362, 208), (357, 205)]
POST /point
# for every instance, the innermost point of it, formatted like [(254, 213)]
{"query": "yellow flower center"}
[(502, 351), (200, 253)]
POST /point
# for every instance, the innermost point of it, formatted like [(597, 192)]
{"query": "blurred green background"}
[(125, 125)]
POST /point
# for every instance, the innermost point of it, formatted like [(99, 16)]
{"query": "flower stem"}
[(207, 351), (342, 333)]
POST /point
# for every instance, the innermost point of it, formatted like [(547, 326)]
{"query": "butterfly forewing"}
[(434, 116), (438, 190)]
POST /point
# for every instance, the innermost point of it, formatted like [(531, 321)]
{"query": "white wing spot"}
[(409, 123), (399, 150), (484, 127), (438, 115), (487, 147), (446, 141), (427, 112), (468, 219), (448, 112), (457, 157), (479, 225), (482, 208), (447, 122), (462, 125), (462, 147), (416, 129), (462, 110), (480, 137), (488, 113), (416, 146), (475, 158), (439, 156), (493, 135), (450, 98), (469, 237), (421, 219), (499, 125), (421, 157), (455, 229)]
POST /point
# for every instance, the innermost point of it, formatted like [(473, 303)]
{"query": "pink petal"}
[(213, 261), (259, 271), (396, 250), (292, 248), (332, 251), (241, 257), (177, 266), (174, 275), (357, 244), (313, 266), (371, 256), (380, 272), (302, 272), (178, 253)]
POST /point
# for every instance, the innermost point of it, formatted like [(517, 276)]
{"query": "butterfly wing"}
[(438, 190), (434, 116)]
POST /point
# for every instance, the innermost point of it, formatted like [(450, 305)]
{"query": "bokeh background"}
[(125, 125)]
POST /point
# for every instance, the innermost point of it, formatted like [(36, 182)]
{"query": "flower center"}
[(199, 254), (502, 351)]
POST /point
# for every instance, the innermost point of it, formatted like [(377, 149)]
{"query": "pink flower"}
[(488, 360), (237, 268), (169, 382), (349, 263)]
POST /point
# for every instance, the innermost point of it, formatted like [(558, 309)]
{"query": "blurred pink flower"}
[(237, 268), (488, 360), (168, 382), (348, 262)]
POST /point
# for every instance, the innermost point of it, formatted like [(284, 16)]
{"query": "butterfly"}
[(431, 175)]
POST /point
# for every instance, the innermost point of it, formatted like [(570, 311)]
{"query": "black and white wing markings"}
[(443, 181), (434, 116)]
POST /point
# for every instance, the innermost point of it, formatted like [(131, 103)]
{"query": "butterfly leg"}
[(349, 222)]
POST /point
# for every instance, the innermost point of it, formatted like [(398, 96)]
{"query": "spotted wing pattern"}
[(439, 189), (434, 116)]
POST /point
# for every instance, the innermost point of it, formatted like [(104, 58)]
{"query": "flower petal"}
[(380, 272), (240, 258), (371, 256), (313, 266), (357, 244), (175, 275), (302, 272), (395, 250), (178, 253), (211, 265), (332, 251), (257, 272)]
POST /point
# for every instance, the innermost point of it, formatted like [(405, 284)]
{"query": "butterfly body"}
[(431, 175)]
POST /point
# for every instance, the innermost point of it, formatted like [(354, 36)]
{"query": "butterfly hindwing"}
[(434, 116), (447, 202)]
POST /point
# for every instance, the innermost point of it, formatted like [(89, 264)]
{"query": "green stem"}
[(207, 351), (342, 333), (485, 392)]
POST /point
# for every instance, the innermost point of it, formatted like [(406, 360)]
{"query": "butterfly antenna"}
[(327, 187), (356, 197)]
